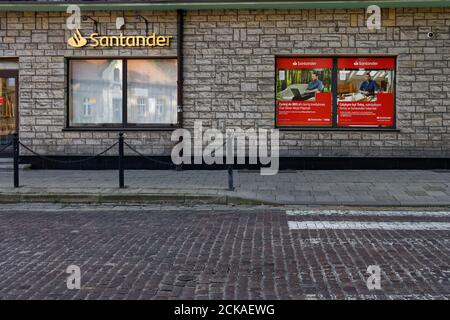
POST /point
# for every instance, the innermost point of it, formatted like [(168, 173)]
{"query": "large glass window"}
[(93, 88), (97, 96), (152, 91)]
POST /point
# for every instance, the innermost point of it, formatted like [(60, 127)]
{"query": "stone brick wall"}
[(229, 75), (39, 41)]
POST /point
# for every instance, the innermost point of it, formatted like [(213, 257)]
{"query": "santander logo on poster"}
[(361, 64), (304, 63), (366, 63)]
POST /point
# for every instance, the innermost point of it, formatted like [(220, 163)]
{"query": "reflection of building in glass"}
[(151, 103), (152, 91), (96, 91)]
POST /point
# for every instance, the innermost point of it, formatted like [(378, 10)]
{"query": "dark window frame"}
[(124, 126), (334, 109)]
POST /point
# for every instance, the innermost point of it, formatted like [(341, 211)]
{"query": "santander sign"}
[(367, 63)]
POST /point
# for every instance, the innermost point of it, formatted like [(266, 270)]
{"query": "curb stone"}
[(174, 198), (170, 196)]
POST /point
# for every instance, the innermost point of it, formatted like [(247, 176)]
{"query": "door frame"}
[(10, 73)]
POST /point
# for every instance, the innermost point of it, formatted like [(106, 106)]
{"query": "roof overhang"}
[(54, 6)]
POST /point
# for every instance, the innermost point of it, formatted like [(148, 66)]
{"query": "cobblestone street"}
[(164, 252)]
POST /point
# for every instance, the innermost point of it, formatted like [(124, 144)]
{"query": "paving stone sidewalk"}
[(321, 187)]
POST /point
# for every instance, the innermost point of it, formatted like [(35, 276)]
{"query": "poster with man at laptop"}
[(365, 92), (304, 95)]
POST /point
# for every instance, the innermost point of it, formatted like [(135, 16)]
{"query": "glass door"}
[(8, 106)]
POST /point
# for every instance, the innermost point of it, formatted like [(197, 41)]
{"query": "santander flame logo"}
[(304, 63), (365, 63), (77, 40)]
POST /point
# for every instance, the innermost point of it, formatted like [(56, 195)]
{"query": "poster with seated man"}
[(304, 91)]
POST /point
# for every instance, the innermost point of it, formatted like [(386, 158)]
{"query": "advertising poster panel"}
[(304, 93), (365, 92)]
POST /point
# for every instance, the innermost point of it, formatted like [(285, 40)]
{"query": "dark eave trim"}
[(54, 7)]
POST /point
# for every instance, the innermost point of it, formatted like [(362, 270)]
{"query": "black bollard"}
[(121, 170), (230, 177), (16, 159), (230, 160)]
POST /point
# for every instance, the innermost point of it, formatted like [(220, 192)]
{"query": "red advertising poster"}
[(365, 92), (304, 92), (1, 100)]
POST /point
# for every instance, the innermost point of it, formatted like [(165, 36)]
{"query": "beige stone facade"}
[(229, 70)]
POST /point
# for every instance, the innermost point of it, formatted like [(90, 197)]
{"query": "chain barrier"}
[(149, 159), (6, 147), (16, 143), (67, 161)]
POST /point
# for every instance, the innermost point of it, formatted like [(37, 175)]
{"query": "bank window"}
[(97, 94), (92, 90), (150, 82), (335, 92)]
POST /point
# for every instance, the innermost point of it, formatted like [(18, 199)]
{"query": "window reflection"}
[(152, 88), (95, 91)]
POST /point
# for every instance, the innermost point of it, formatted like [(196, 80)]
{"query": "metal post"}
[(16, 159), (230, 160), (230, 177), (121, 170), (180, 75)]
